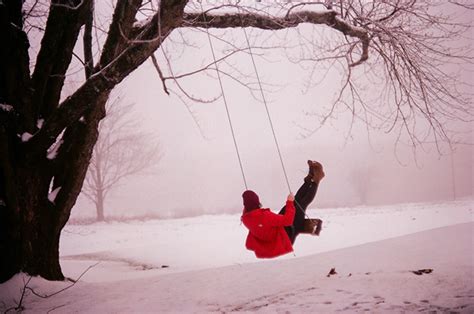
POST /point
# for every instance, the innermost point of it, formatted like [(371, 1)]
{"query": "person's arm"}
[(287, 218)]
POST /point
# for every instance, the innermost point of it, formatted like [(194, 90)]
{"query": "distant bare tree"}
[(360, 177), (121, 151)]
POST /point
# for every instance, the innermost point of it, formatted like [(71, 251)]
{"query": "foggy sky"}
[(199, 171)]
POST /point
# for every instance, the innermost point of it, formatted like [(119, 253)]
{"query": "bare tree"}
[(121, 151), (360, 177), (405, 45)]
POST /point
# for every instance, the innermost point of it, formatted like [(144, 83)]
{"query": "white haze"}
[(199, 172), (195, 165)]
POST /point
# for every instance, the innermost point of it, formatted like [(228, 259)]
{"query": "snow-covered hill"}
[(199, 265)]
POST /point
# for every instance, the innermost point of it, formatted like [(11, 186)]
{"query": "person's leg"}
[(307, 195), (298, 221), (291, 234), (303, 189), (316, 174), (307, 198), (304, 196), (307, 182)]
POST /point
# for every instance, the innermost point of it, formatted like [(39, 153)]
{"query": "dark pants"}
[(303, 198)]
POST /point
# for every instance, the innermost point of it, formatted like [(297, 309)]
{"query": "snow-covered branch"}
[(270, 22)]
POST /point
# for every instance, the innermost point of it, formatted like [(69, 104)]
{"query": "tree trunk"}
[(30, 241), (36, 252), (38, 188), (99, 205), (30, 230)]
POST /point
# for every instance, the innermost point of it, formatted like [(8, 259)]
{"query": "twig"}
[(23, 292), (19, 306), (70, 7), (157, 67), (57, 307), (57, 292)]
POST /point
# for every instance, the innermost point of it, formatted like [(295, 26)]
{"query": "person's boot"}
[(316, 170), (312, 226), (319, 227), (309, 177)]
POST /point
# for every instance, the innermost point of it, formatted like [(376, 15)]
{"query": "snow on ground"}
[(213, 241), (373, 249)]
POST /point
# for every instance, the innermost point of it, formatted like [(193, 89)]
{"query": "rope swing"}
[(264, 102), (227, 107), (266, 109), (228, 112), (277, 145)]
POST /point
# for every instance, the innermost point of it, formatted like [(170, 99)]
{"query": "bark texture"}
[(43, 165)]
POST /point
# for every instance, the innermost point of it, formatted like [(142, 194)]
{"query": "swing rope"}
[(264, 102), (266, 108), (269, 117), (225, 103), (263, 99)]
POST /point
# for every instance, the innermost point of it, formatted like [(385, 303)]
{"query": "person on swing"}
[(271, 235)]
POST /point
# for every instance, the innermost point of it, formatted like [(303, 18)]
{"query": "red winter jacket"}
[(267, 236)]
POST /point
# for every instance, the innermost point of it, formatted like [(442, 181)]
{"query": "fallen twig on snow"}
[(59, 291), (19, 307)]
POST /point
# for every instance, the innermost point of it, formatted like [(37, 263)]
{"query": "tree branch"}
[(106, 77), (62, 30), (87, 41), (160, 74), (122, 23), (268, 22), (144, 39)]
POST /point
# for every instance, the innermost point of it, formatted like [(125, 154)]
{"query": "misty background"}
[(198, 172)]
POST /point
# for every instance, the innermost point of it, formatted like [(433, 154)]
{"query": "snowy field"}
[(200, 264)]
